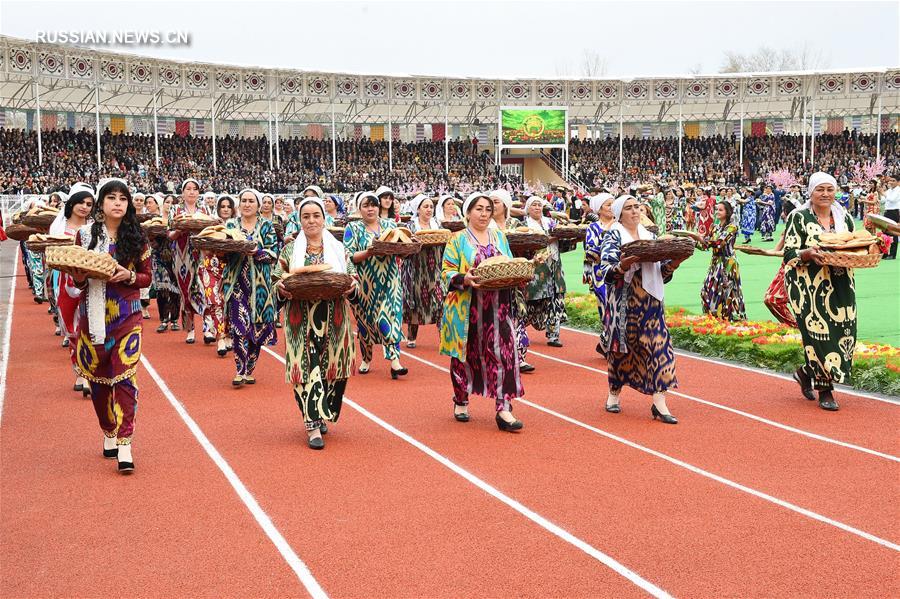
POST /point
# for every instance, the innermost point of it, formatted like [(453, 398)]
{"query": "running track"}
[(755, 493)]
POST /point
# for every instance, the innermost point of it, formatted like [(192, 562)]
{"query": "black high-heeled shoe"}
[(667, 418), (827, 402), (461, 417), (614, 408), (398, 372), (503, 425), (805, 384)]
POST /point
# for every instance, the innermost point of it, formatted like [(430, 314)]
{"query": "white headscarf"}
[(439, 209), (472, 198), (332, 248), (315, 189), (415, 204), (651, 272), (598, 200), (383, 190), (79, 190), (251, 190), (190, 180), (505, 197), (541, 226), (837, 211)]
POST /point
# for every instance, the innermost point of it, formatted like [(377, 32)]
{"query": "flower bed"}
[(764, 344)]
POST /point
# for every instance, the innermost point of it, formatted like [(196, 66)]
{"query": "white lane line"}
[(700, 471), (4, 356), (786, 427), (284, 548), (547, 525), (844, 389)]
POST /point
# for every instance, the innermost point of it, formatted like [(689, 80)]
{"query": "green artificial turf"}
[(877, 289)]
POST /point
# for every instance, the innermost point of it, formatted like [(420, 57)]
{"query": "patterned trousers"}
[(116, 407), (246, 353), (319, 400), (391, 352)]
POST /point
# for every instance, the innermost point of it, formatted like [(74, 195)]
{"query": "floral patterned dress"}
[(320, 351), (823, 300), (635, 336), (545, 294), (477, 329), (423, 297), (186, 260), (748, 218), (767, 215), (249, 298), (378, 305), (210, 274), (721, 295)]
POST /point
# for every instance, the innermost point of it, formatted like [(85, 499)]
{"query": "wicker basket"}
[(41, 246), (755, 251), (224, 246), (395, 248), (405, 218), (20, 232), (453, 225), (570, 232), (155, 230), (848, 260), (38, 221), (142, 218), (657, 250), (434, 238), (72, 257), (192, 225), (523, 243), (338, 232), (314, 286), (504, 275)]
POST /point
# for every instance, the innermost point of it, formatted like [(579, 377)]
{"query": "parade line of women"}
[(242, 299)]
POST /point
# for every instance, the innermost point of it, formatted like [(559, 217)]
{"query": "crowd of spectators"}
[(70, 156)]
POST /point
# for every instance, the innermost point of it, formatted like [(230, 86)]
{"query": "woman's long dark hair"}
[(391, 214), (74, 200), (131, 239), (729, 210), (226, 200)]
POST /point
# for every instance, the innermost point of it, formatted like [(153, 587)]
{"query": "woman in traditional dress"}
[(74, 214), (767, 214), (34, 261), (477, 329), (210, 274), (704, 210), (775, 298), (151, 206), (332, 210), (187, 259), (502, 219), (247, 287), (721, 294), (636, 340), (168, 295), (748, 215), (822, 298), (871, 205), (602, 205), (110, 321), (378, 306), (546, 293), (670, 210), (690, 211), (679, 206), (658, 209), (318, 334), (423, 298)]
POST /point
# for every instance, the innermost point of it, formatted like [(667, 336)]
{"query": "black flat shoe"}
[(162, 328), (208, 340), (316, 443), (190, 341), (86, 391), (126, 467), (805, 384), (78, 387), (111, 453), (249, 379), (398, 372), (667, 418), (175, 327), (614, 409), (237, 381), (65, 342), (503, 425), (555, 343), (222, 352), (827, 402), (526, 367), (323, 428), (464, 417), (361, 370)]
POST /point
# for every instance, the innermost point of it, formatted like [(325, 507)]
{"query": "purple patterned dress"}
[(491, 368)]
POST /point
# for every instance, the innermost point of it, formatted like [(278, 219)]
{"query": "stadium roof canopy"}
[(68, 79)]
